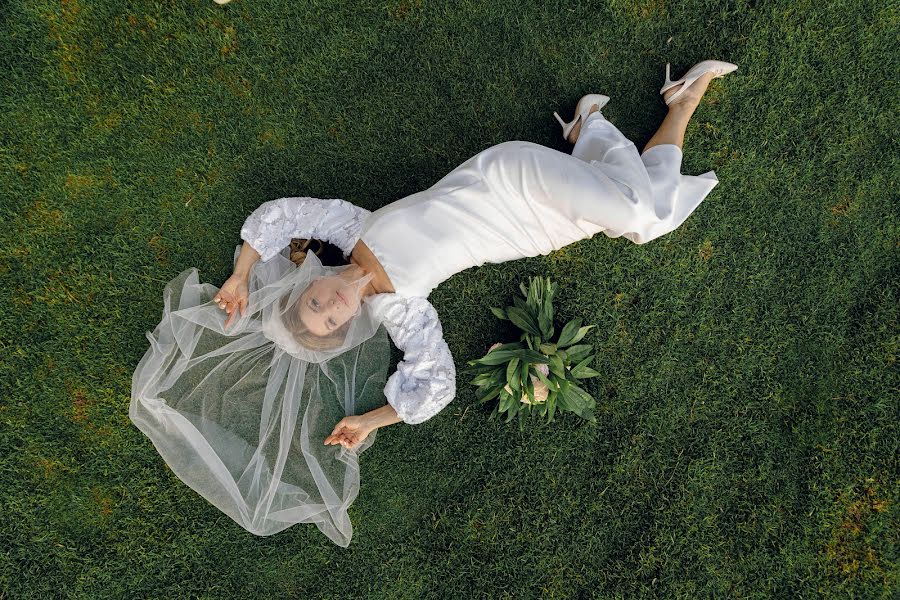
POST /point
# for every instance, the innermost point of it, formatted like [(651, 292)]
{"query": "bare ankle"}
[(682, 110)]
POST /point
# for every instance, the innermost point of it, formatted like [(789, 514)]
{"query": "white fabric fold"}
[(275, 223)]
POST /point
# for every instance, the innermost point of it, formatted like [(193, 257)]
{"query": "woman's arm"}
[(235, 292), (270, 228), (386, 415), (246, 259), (425, 380), (351, 431)]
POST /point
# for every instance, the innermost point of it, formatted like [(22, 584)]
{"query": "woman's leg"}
[(652, 180), (603, 143), (672, 129), (674, 125)]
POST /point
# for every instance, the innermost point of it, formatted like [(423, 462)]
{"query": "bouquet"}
[(536, 374)]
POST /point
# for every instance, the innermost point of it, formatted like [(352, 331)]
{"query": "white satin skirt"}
[(520, 199), (659, 197)]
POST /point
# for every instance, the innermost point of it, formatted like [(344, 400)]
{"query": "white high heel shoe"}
[(718, 67), (582, 109)]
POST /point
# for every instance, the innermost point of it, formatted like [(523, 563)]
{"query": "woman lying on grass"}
[(244, 410)]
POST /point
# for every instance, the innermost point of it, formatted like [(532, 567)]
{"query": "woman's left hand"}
[(349, 432)]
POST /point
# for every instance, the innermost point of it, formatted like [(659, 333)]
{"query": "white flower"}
[(540, 392)]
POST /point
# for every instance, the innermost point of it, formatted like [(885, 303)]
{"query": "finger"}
[(243, 306)]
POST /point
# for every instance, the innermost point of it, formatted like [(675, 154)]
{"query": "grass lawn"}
[(747, 436)]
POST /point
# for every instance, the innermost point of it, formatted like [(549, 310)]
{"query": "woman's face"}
[(328, 303)]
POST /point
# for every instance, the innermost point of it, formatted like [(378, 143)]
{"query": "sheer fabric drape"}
[(241, 415)]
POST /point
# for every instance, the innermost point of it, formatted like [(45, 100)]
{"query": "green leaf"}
[(529, 388), (557, 367), (585, 372), (483, 379), (579, 352), (530, 356), (582, 371), (511, 374), (548, 349), (545, 324), (585, 401), (568, 332), (523, 321), (499, 313), (512, 411), (551, 406), (490, 395), (510, 346), (524, 289), (543, 379), (521, 304), (581, 333), (496, 357)]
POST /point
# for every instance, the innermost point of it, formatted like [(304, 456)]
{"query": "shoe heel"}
[(566, 127), (668, 83)]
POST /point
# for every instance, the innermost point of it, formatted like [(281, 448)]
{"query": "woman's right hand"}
[(233, 297)]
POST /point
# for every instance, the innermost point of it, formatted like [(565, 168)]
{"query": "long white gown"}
[(512, 200), (520, 199)]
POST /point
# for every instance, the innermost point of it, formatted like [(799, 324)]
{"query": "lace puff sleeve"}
[(425, 380), (272, 226)]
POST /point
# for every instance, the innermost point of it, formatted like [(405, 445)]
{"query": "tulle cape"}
[(241, 415)]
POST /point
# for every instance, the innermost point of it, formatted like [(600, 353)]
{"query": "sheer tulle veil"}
[(241, 415)]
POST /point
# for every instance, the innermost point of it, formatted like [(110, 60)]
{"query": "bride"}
[(239, 405)]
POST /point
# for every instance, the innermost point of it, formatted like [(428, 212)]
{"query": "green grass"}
[(747, 437)]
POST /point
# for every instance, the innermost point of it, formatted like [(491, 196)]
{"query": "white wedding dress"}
[(513, 200)]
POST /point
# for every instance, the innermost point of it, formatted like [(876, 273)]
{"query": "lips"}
[(344, 300)]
